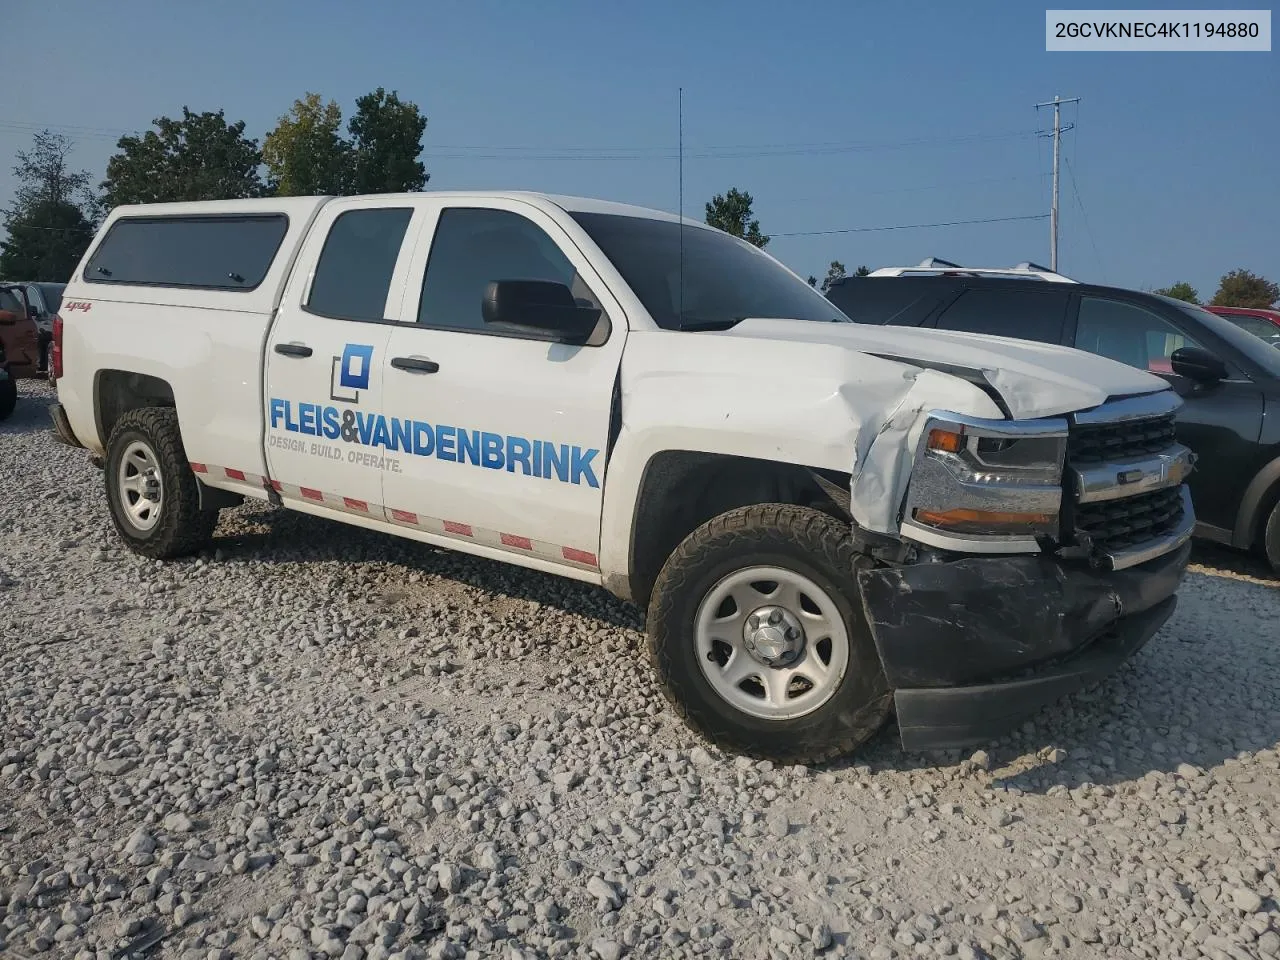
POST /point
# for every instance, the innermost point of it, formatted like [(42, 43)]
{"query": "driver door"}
[(513, 451)]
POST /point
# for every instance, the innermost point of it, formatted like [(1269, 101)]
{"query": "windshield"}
[(725, 280), (52, 293), (1265, 356)]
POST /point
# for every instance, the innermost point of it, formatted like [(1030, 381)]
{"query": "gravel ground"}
[(320, 742)]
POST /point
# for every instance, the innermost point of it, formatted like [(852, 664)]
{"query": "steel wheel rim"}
[(140, 486), (743, 665)]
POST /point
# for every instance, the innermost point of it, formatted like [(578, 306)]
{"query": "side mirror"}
[(539, 307), (1196, 363)]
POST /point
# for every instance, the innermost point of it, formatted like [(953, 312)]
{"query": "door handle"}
[(415, 364), (293, 349)]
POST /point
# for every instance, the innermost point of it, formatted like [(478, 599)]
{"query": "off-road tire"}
[(8, 397), (1271, 539), (808, 542), (183, 528)]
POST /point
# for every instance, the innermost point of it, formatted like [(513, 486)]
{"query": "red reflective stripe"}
[(355, 504), (233, 474), (311, 494), (199, 468), (404, 516), (511, 540), (277, 486), (579, 556), (460, 528)]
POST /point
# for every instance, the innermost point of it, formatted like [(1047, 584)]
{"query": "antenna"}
[(680, 175)]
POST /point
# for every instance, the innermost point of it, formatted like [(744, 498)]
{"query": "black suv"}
[(1228, 379)]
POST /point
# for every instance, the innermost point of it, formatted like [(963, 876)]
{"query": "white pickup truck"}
[(824, 521)]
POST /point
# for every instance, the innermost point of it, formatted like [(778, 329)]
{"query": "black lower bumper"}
[(972, 647), (62, 426)]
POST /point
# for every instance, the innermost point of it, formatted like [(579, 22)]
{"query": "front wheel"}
[(1271, 539), (759, 640), (151, 490)]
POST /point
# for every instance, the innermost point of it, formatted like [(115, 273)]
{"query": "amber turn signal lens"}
[(945, 440), (947, 519)]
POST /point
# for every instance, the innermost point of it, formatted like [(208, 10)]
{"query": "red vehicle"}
[(1261, 323), (19, 345)]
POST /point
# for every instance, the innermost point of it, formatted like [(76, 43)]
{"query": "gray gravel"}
[(320, 742)]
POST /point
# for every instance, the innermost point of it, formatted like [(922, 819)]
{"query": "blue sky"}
[(930, 106)]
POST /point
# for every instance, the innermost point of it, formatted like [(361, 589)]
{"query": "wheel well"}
[(119, 391), (681, 490)]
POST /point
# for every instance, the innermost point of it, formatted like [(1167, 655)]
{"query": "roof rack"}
[(936, 265)]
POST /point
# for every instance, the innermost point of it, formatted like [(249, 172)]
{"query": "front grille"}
[(1114, 525), (1097, 443)]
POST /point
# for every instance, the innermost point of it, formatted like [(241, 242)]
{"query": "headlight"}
[(986, 485)]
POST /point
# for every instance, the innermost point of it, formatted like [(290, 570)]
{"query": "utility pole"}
[(1058, 130)]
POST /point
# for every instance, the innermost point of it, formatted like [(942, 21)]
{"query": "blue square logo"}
[(357, 358)]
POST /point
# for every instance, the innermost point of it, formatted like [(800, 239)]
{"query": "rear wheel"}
[(8, 397), (1271, 538), (759, 640), (151, 491)]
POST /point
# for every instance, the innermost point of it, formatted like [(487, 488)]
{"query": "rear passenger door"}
[(1038, 315), (324, 361)]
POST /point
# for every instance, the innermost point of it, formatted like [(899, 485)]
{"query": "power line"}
[(533, 152), (827, 198), (909, 226), (1085, 217)]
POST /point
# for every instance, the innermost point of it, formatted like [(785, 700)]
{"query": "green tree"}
[(45, 242), (199, 157), (44, 175), (49, 225), (1180, 291), (862, 271), (812, 280), (386, 140), (835, 273), (306, 154), (731, 212), (1242, 288)]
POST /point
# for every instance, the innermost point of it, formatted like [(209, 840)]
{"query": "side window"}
[(353, 276), (1260, 328), (473, 247), (1024, 314), (1129, 334), (216, 252)]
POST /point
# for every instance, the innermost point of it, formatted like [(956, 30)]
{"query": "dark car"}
[(1228, 379)]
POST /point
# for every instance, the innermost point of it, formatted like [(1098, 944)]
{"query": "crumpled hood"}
[(1033, 379)]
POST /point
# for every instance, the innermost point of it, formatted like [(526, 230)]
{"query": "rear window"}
[(228, 252), (52, 293)]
